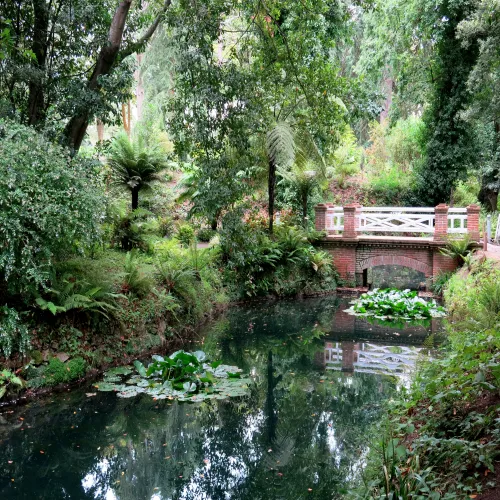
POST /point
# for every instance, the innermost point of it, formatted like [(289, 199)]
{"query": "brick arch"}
[(396, 260)]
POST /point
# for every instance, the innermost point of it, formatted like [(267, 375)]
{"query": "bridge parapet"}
[(353, 220)]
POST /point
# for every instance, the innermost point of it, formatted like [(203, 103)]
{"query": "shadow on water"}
[(321, 377)]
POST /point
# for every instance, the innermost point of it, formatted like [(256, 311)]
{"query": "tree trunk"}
[(271, 190), (39, 47), (135, 198), (100, 130), (77, 126), (304, 211)]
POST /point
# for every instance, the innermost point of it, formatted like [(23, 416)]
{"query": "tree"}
[(79, 69), (483, 27), (449, 138), (243, 82), (134, 167)]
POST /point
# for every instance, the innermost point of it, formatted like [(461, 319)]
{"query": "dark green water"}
[(320, 380)]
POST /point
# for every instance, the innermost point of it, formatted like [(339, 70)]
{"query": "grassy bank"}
[(116, 305), (442, 436)]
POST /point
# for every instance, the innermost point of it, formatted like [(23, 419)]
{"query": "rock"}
[(62, 356)]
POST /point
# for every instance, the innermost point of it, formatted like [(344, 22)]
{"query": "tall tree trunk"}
[(271, 190), (77, 126), (39, 47), (100, 130), (304, 211), (135, 198)]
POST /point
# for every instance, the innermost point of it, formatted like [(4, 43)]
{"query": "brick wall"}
[(351, 259)]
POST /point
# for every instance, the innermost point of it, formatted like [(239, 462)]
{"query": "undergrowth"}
[(443, 435)]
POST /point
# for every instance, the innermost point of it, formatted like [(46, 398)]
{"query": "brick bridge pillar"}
[(441, 263), (320, 216), (473, 222)]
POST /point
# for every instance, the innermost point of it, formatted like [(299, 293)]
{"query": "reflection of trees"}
[(314, 423)]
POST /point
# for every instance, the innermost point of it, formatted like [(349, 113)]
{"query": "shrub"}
[(135, 281), (185, 234), (50, 205), (205, 234), (286, 264), (14, 336), (347, 158)]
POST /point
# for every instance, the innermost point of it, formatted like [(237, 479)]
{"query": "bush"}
[(50, 205), (14, 337), (284, 265), (205, 234), (185, 234)]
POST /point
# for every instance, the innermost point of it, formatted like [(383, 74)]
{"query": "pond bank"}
[(442, 437)]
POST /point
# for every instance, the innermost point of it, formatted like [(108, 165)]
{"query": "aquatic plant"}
[(389, 304), (183, 375)]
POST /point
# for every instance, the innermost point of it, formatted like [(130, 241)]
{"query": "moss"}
[(57, 372)]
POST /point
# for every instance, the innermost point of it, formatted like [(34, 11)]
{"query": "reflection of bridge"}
[(369, 358), (355, 249), (376, 348)]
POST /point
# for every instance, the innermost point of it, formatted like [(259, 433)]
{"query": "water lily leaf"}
[(200, 356), (119, 370), (140, 368)]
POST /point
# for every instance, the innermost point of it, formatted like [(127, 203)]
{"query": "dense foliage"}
[(50, 205)]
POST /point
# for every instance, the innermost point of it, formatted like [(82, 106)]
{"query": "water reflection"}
[(302, 433)]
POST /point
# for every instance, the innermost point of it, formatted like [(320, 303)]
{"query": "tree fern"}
[(134, 167), (280, 145)]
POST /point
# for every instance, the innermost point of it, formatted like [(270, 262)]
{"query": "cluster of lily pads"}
[(392, 304), (185, 376)]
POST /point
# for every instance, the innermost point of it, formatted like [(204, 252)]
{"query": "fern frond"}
[(280, 145), (308, 153)]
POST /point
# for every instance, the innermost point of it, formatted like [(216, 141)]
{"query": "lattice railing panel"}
[(395, 220)]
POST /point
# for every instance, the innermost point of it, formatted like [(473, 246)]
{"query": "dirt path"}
[(492, 252)]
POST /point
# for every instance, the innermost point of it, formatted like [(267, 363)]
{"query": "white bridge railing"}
[(396, 219), (372, 358)]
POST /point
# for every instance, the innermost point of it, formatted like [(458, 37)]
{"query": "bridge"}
[(359, 238)]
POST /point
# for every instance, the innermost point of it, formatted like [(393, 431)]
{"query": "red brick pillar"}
[(320, 217), (350, 221), (349, 356), (473, 222), (441, 222)]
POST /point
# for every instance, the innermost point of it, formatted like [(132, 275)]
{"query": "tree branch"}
[(136, 46)]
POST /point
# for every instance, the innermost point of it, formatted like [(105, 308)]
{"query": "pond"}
[(321, 377)]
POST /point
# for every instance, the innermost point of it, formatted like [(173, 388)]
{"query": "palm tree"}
[(134, 166)]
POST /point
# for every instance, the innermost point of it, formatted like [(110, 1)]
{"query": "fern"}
[(78, 296), (280, 145), (458, 248)]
